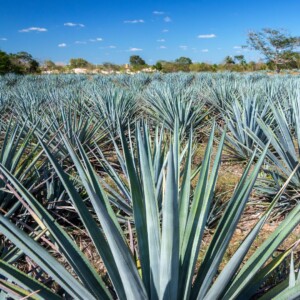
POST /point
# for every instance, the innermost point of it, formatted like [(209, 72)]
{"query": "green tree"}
[(5, 64), (202, 67), (49, 65), (79, 63), (169, 67), (228, 60), (136, 61), (240, 59), (275, 45), (111, 66), (158, 66), (292, 60), (24, 63), (184, 61)]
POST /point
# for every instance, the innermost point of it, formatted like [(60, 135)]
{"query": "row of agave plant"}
[(114, 158)]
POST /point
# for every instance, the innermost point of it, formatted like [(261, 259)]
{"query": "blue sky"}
[(111, 31)]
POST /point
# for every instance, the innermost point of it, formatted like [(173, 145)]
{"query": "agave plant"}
[(85, 125), (113, 106), (221, 92), (283, 157), (289, 287), (243, 117), (156, 148), (167, 103), (160, 259), (28, 103), (19, 155)]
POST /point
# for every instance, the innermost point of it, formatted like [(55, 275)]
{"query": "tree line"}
[(19, 63), (278, 48)]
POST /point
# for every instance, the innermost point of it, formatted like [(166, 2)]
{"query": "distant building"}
[(50, 72), (148, 70), (80, 71)]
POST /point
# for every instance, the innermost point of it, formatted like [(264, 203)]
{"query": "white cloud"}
[(3, 39), (39, 29), (135, 49), (62, 45), (237, 47), (206, 36), (167, 19), (162, 47), (161, 40), (134, 21), (80, 42), (165, 30), (70, 24), (156, 12), (183, 47), (204, 50), (96, 40)]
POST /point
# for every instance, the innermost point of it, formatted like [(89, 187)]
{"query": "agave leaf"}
[(184, 197), (139, 213), (15, 292), (292, 276), (74, 256), (235, 261), (275, 290), (90, 224), (44, 260), (26, 282), (261, 255), (152, 217), (197, 217), (132, 283), (289, 294), (169, 263), (261, 276), (225, 229)]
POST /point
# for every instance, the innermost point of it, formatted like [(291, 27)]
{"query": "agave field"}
[(109, 186)]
